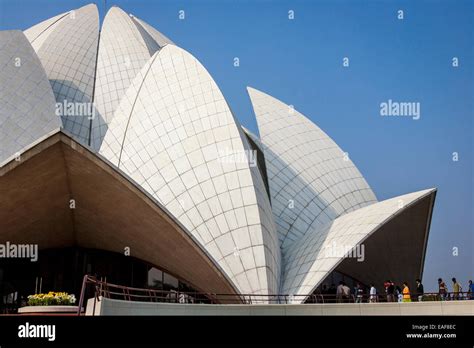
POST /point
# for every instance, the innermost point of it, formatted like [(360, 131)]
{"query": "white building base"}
[(118, 307)]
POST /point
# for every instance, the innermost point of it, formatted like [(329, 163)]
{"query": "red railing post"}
[(81, 298)]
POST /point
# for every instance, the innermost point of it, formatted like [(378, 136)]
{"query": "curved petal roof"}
[(68, 52), (38, 33), (175, 135), (160, 117), (27, 112), (311, 180), (308, 261), (159, 38), (84, 72), (125, 47)]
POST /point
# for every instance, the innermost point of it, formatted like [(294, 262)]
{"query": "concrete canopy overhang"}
[(110, 212)]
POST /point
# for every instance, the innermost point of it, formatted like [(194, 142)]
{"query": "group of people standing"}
[(457, 293), (393, 292)]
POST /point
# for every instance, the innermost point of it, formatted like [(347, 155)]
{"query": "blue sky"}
[(300, 62)]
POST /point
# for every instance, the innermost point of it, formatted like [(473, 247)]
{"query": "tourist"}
[(373, 294), (456, 289), (398, 294), (443, 290), (386, 284), (340, 291), (359, 293), (346, 291), (390, 291), (419, 290), (406, 293), (470, 290)]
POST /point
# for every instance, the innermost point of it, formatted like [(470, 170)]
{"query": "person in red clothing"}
[(390, 290), (443, 290)]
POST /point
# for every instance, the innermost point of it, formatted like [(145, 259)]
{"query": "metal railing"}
[(102, 288), (367, 298)]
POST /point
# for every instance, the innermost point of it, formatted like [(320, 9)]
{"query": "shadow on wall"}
[(78, 114), (291, 216), (151, 44)]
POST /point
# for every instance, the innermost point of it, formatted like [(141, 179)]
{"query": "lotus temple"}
[(120, 158)]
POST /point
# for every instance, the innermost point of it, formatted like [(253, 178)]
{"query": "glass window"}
[(155, 278), (170, 282)]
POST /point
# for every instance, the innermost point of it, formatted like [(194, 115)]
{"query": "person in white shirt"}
[(347, 292), (373, 294), (340, 291)]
